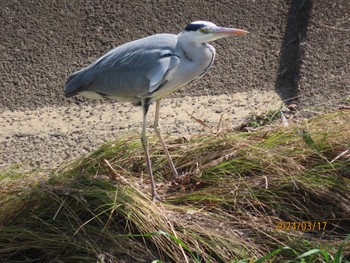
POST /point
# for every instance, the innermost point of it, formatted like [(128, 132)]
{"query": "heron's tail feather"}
[(74, 83)]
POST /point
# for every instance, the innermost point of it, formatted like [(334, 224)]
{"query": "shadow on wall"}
[(292, 50)]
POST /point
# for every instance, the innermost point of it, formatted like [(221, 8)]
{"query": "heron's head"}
[(203, 31)]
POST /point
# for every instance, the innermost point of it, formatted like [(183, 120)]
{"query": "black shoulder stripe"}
[(167, 55), (160, 87)]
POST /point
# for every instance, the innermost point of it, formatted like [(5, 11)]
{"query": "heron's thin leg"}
[(157, 130), (144, 142)]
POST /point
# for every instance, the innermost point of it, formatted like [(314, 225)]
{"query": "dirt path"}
[(47, 136)]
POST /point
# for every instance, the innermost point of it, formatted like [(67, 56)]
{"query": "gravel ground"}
[(46, 137)]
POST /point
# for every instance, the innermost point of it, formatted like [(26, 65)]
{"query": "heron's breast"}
[(190, 68)]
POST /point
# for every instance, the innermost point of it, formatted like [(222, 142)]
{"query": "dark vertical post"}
[(292, 50)]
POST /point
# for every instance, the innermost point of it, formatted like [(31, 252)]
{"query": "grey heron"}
[(148, 69)]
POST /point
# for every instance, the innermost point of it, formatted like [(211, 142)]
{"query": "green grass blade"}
[(338, 255), (273, 253)]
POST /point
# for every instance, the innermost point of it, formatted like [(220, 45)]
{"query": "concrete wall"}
[(298, 48)]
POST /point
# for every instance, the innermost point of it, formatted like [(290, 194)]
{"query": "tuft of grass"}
[(346, 100), (277, 194), (259, 120)]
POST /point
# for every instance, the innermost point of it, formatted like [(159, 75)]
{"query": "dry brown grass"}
[(234, 190)]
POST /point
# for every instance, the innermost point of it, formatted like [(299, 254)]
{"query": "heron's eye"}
[(204, 30)]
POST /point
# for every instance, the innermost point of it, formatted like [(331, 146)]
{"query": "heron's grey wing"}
[(125, 75)]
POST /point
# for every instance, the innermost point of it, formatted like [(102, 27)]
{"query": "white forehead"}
[(207, 23)]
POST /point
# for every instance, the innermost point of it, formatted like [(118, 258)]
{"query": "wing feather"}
[(130, 71)]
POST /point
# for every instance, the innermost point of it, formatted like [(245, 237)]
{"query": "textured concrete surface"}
[(297, 51)]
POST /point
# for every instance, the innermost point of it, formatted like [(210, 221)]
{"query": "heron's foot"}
[(156, 198), (183, 178), (175, 174)]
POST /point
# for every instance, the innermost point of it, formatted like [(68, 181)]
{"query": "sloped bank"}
[(238, 189)]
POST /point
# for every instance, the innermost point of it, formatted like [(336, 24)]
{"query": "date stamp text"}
[(301, 226)]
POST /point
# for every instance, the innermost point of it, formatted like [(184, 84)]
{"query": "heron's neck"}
[(193, 50)]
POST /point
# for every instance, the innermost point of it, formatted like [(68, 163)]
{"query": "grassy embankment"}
[(275, 193)]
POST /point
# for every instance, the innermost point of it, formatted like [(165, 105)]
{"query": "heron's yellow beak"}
[(229, 31)]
